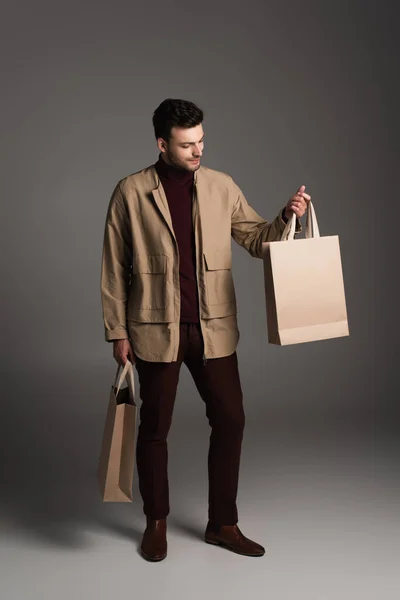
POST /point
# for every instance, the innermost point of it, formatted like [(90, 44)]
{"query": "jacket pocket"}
[(218, 278), (148, 296), (144, 263)]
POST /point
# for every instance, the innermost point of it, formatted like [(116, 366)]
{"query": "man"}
[(168, 297)]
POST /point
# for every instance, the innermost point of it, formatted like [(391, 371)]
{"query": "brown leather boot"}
[(154, 541), (230, 537)]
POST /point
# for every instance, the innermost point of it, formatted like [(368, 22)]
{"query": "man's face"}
[(184, 148)]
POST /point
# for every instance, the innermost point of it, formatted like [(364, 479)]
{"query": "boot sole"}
[(151, 559)]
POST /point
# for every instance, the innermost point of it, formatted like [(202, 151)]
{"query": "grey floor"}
[(321, 494)]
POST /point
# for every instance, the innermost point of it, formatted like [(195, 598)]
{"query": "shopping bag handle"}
[(127, 373), (312, 229)]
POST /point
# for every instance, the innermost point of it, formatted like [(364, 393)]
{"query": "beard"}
[(183, 165)]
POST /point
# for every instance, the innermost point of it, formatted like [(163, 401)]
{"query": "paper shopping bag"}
[(117, 455), (304, 288)]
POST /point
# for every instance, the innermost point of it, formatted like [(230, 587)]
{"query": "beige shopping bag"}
[(304, 289), (117, 456)]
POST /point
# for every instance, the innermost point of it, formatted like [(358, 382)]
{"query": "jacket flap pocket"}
[(144, 263), (218, 259)]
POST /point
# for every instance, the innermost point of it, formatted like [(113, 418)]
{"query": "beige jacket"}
[(140, 262)]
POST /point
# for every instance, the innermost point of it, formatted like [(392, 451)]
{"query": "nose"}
[(197, 152)]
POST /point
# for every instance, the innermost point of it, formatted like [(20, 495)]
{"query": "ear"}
[(162, 144)]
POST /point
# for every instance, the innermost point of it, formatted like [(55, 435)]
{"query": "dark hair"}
[(175, 113)]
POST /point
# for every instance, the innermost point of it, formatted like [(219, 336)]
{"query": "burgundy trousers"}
[(218, 384)]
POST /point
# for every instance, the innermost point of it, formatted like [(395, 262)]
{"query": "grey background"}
[(293, 93)]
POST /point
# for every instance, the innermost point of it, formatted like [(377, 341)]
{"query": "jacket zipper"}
[(179, 291), (176, 345), (196, 249)]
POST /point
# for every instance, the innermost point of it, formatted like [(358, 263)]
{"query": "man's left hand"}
[(298, 203)]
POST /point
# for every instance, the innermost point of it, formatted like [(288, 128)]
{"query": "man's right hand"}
[(123, 350)]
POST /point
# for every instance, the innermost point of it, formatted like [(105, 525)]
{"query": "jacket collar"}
[(160, 198)]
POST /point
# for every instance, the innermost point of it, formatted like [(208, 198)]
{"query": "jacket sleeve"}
[(250, 230), (116, 267)]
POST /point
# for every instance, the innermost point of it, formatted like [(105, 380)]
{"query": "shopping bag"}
[(304, 287), (117, 455)]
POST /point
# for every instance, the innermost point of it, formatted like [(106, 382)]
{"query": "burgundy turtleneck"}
[(178, 186)]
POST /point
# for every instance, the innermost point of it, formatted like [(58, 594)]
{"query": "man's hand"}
[(123, 350), (298, 203)]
